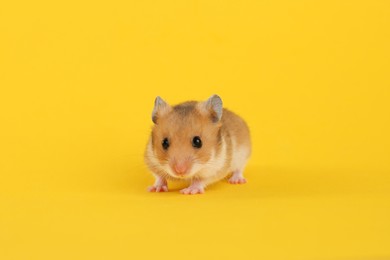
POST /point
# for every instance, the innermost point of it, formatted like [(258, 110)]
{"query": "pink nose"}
[(180, 168)]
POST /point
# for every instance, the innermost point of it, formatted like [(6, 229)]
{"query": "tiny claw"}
[(237, 180), (192, 190), (158, 188)]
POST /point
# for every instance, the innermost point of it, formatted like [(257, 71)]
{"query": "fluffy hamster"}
[(196, 141)]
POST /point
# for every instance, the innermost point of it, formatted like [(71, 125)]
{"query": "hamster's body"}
[(197, 141)]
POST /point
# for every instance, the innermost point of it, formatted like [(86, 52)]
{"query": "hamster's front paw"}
[(158, 188), (195, 188), (160, 185), (192, 190)]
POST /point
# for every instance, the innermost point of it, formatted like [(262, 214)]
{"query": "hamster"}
[(201, 142)]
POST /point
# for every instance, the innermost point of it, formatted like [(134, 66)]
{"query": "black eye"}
[(196, 142), (165, 143)]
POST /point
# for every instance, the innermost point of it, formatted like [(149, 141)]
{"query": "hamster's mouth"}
[(186, 176), (188, 173), (181, 171), (182, 176)]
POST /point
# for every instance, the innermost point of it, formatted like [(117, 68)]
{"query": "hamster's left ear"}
[(214, 106), (160, 109)]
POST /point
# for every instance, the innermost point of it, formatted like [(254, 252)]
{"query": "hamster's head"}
[(186, 137)]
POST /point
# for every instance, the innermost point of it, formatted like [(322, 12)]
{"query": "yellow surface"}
[(78, 80)]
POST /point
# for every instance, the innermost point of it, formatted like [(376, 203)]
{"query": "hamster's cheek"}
[(204, 155), (166, 168), (196, 168), (161, 155)]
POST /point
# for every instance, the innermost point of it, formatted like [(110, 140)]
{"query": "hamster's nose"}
[(181, 168)]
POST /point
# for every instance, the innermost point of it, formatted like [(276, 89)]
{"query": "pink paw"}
[(158, 188), (192, 190), (237, 180)]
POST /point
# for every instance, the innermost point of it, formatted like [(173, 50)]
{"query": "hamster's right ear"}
[(214, 106), (160, 109)]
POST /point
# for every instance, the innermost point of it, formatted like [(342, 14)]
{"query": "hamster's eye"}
[(196, 142), (165, 143)]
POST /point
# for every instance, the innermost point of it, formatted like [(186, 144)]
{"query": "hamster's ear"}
[(160, 108), (214, 106)]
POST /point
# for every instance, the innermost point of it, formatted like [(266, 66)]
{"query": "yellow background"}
[(77, 85)]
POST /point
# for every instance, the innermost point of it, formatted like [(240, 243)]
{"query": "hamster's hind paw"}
[(237, 178)]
